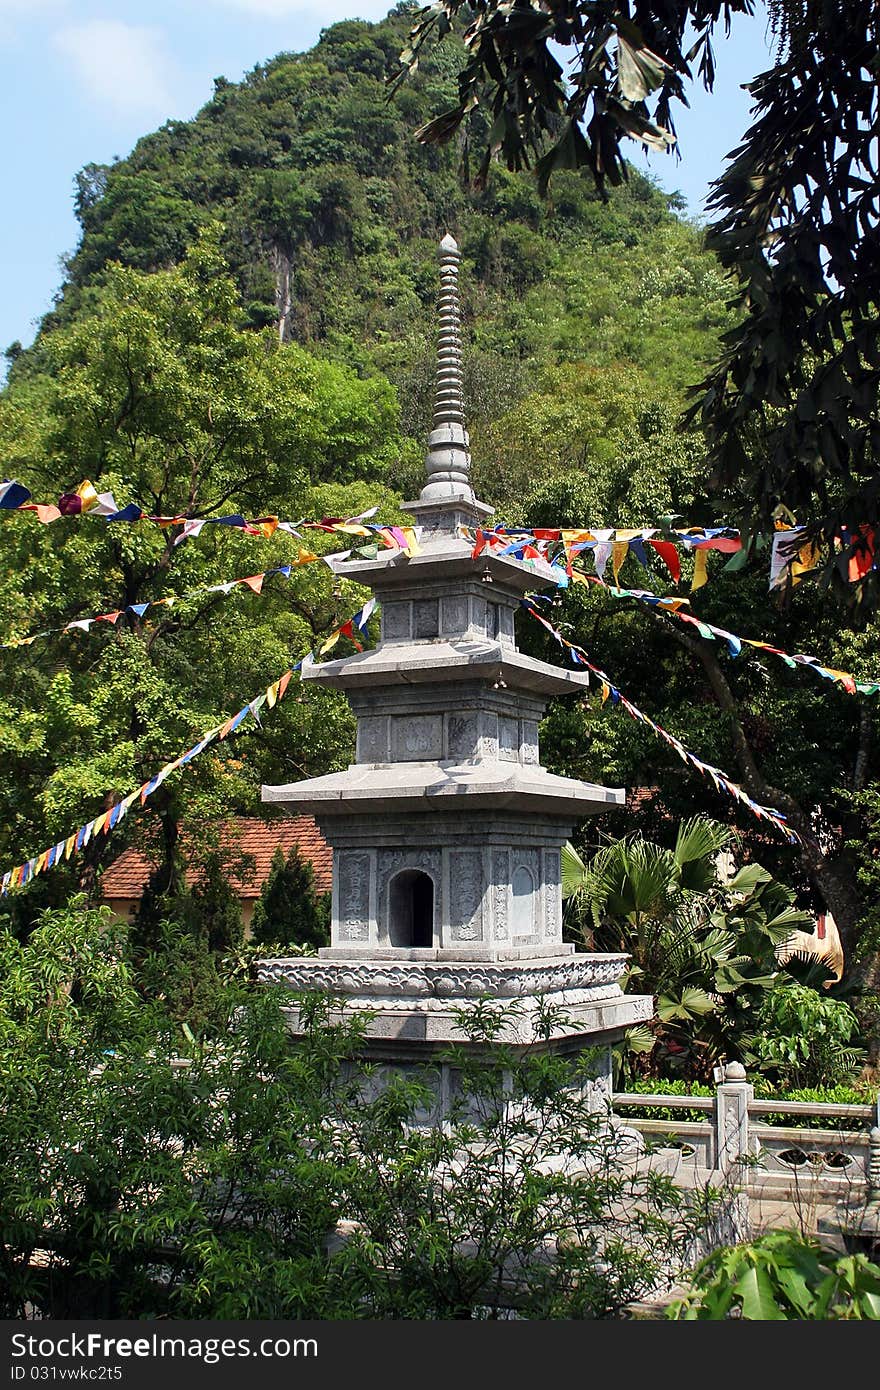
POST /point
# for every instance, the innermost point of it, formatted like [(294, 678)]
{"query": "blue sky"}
[(81, 80)]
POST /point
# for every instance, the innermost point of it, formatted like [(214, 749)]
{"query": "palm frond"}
[(574, 871)]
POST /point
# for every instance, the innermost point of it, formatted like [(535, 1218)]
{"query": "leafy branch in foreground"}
[(781, 1276)]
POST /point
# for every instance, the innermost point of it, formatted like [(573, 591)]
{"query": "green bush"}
[(781, 1276)]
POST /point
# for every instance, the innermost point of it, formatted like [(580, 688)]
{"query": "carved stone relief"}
[(478, 615), (525, 893), (462, 734), (500, 891), (353, 878), (455, 617), (466, 894), (551, 894), (508, 738), (488, 735), (395, 621), (415, 738), (505, 624), (372, 739), (529, 741), (426, 618)]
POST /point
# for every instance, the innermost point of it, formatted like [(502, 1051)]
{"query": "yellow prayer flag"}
[(701, 571), (807, 559), (412, 545), (619, 552), (87, 495)]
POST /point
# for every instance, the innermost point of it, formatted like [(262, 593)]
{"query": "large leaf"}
[(756, 1291), (748, 878), (573, 870), (700, 838), (690, 1002), (639, 71)]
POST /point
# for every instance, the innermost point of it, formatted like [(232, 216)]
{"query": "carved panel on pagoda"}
[(372, 739), (396, 622), (454, 616), (462, 735), (466, 894), (426, 618), (508, 739), (416, 737), (500, 894), (353, 894), (529, 744), (488, 735), (525, 886), (552, 894)]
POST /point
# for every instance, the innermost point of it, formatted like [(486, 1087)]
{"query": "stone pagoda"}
[(446, 830)]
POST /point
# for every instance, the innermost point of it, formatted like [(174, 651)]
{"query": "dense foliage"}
[(146, 1171), (248, 323), (782, 1277), (289, 912), (791, 406)]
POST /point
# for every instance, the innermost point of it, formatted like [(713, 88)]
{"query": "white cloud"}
[(16, 14), (123, 66)]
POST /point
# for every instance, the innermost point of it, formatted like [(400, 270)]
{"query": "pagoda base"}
[(411, 1012)]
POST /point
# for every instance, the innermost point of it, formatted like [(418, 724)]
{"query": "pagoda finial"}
[(448, 461)]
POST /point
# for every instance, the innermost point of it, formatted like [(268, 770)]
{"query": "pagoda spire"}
[(448, 461)]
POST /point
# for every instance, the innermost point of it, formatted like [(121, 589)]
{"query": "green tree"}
[(148, 1197), (162, 397), (289, 911), (803, 1040), (791, 405)]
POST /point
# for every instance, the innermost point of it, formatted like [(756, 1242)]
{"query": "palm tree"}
[(704, 947)]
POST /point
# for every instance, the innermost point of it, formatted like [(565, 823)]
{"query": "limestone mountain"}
[(332, 210)]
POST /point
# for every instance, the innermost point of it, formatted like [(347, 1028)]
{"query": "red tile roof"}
[(127, 876)]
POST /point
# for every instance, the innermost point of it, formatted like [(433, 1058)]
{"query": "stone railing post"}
[(732, 1098), (874, 1167)]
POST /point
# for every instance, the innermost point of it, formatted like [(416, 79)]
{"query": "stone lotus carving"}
[(442, 980)]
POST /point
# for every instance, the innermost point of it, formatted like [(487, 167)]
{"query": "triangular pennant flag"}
[(619, 552), (701, 573), (13, 495), (669, 555)]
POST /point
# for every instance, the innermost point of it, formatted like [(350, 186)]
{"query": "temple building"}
[(446, 830)]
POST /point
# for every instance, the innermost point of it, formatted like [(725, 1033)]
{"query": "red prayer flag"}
[(669, 555)]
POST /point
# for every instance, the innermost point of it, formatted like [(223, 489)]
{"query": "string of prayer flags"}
[(575, 542), (675, 606), (719, 779), (108, 820), (561, 545), (254, 582), (86, 500)]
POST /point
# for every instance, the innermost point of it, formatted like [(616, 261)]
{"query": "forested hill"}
[(248, 323), (332, 211)]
